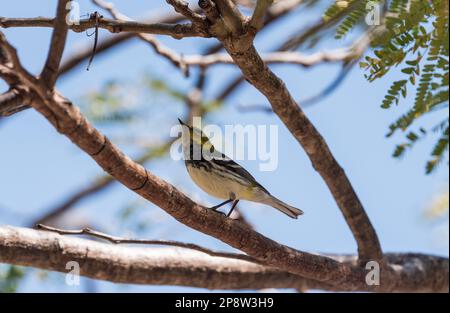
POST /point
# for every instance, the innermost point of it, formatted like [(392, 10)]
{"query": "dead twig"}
[(121, 240)]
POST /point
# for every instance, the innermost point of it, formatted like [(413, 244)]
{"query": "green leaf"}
[(408, 70)]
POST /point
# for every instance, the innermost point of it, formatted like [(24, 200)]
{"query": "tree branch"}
[(306, 102), (230, 14), (180, 267), (177, 31), (12, 101), (131, 265), (50, 71), (120, 240), (210, 10), (257, 20), (111, 42), (159, 48), (338, 55), (276, 11), (245, 56), (182, 7)]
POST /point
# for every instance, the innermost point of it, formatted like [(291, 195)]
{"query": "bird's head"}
[(194, 137)]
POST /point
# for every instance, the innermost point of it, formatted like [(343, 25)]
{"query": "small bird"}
[(221, 177)]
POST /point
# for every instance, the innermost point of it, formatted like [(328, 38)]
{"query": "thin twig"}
[(308, 101), (96, 186), (231, 15), (246, 108), (176, 31), (257, 20), (121, 240), (175, 58), (182, 7), (230, 88), (317, 27), (13, 101), (287, 57), (265, 108), (328, 90)]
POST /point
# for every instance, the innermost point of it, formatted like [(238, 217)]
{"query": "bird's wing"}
[(234, 167)]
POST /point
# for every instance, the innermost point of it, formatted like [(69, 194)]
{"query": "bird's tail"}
[(283, 207)]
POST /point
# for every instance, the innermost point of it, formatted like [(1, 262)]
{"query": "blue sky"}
[(38, 167)]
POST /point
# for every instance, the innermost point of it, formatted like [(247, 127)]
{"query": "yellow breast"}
[(212, 184)]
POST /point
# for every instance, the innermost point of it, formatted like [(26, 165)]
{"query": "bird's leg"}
[(221, 204), (232, 207)]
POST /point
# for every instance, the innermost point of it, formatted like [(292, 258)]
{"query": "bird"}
[(221, 177)]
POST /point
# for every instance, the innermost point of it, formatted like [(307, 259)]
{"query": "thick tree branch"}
[(50, 71), (155, 266), (245, 56), (169, 266)]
